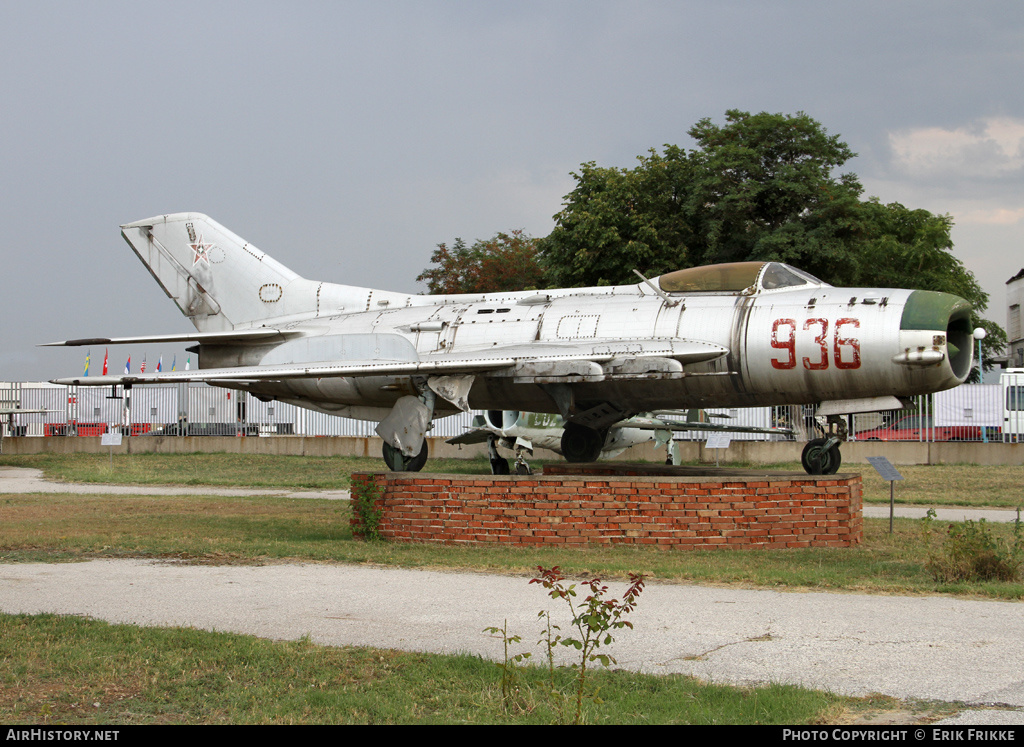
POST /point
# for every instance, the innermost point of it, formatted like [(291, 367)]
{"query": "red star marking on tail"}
[(202, 252)]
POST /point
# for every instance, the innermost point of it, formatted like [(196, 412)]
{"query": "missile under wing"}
[(736, 335)]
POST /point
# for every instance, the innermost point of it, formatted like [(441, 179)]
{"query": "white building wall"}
[(1015, 320)]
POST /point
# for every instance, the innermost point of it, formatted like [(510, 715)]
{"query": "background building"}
[(1014, 330)]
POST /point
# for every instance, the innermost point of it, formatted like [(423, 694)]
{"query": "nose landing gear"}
[(821, 455)]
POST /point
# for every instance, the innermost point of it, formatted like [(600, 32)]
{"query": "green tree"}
[(619, 219), (759, 174), (723, 201), (505, 262)]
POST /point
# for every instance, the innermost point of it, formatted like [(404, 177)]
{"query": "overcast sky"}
[(347, 139)]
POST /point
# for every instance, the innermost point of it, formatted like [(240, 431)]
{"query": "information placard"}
[(112, 438), (885, 468), (718, 441)]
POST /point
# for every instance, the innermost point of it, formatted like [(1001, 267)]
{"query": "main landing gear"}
[(398, 462), (821, 455), (404, 431)]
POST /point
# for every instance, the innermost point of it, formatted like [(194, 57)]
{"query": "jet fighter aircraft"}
[(734, 335), (523, 431)]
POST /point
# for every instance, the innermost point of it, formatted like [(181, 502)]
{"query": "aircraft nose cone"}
[(947, 315)]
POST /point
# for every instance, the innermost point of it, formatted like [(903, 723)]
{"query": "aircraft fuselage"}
[(784, 347)]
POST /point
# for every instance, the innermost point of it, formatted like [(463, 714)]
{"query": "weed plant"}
[(594, 621), (366, 498), (971, 552), (510, 663)]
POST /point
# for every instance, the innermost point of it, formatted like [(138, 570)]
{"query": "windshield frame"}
[(733, 278)]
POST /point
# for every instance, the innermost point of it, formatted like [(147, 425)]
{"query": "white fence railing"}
[(967, 413), (176, 409)]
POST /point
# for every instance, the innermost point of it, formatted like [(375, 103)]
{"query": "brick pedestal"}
[(728, 509)]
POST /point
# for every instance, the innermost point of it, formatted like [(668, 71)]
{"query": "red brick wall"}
[(683, 512)]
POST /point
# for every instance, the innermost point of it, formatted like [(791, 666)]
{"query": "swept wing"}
[(564, 363)]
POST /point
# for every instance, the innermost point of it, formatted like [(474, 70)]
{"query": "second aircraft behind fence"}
[(735, 335), (523, 431)]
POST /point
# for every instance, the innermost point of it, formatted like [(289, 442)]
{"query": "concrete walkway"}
[(957, 513), (30, 480)]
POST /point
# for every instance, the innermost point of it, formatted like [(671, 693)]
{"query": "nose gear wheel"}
[(820, 458)]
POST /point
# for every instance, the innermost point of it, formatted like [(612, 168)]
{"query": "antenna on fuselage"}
[(668, 301)]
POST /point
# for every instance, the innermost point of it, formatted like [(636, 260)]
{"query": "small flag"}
[(142, 369), (87, 356), (188, 362), (160, 364), (128, 365), (174, 362), (105, 353)]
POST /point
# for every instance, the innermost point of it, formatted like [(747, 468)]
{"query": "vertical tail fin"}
[(216, 278)]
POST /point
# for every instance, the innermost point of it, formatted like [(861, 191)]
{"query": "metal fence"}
[(971, 412), (176, 410), (983, 412)]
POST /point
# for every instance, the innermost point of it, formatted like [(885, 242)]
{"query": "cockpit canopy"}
[(735, 277)]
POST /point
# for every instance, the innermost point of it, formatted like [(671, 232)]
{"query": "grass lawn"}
[(62, 527), (75, 671)]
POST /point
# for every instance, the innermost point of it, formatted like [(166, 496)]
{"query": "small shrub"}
[(970, 552), (593, 620)]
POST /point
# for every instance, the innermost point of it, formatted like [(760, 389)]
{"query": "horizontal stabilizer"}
[(260, 334), (657, 424)]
